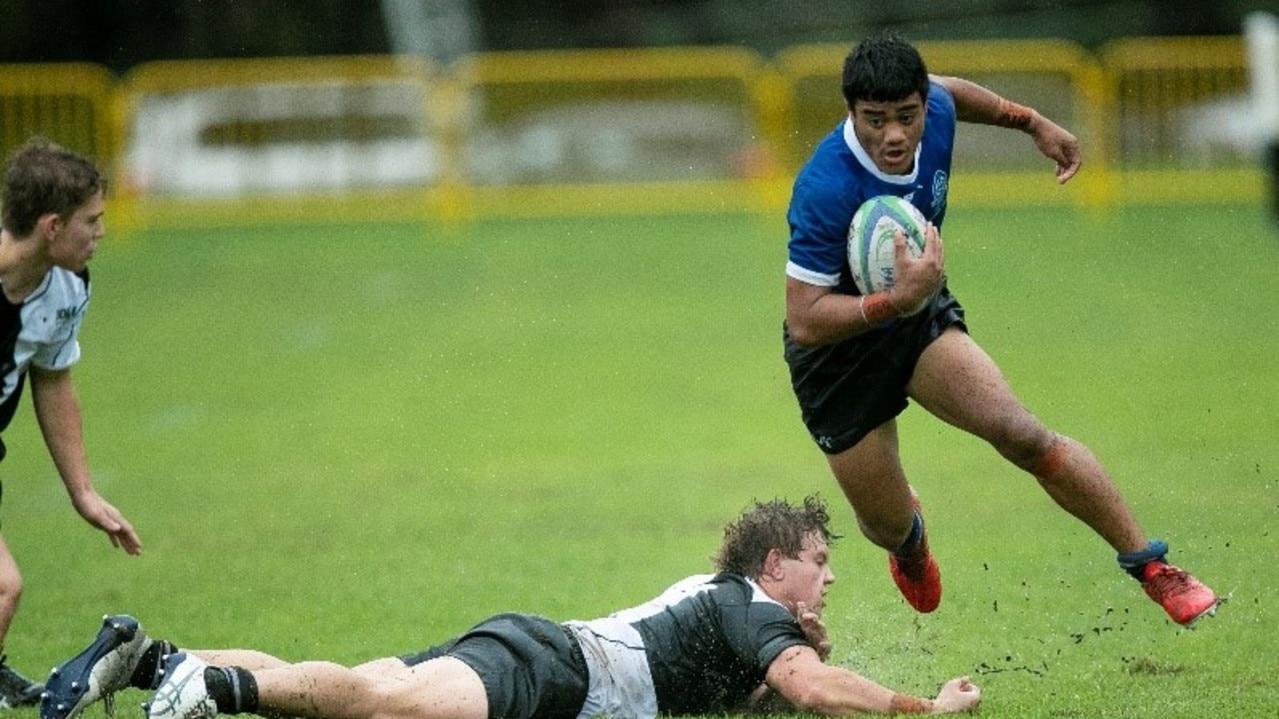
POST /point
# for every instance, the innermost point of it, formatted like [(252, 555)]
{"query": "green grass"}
[(351, 441)]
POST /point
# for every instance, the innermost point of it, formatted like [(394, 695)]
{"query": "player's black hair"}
[(42, 177), (776, 524), (884, 67)]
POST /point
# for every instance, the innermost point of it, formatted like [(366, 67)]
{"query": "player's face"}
[(889, 131), (808, 575), (76, 237)]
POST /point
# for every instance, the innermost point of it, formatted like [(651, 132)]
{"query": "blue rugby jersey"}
[(839, 177)]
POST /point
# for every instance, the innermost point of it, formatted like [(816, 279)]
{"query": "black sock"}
[(912, 539), (233, 689), (147, 674)]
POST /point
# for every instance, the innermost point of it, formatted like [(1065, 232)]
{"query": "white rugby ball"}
[(870, 240)]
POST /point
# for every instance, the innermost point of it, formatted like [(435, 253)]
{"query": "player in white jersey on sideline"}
[(52, 221), (748, 636)]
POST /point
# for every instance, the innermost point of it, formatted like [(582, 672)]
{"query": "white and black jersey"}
[(43, 330), (701, 647)]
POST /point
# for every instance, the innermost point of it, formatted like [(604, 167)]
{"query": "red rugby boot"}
[(915, 572), (1185, 598)]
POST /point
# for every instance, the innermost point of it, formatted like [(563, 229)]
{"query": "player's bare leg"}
[(10, 589), (959, 383), (871, 477), (15, 689), (247, 658), (444, 688)]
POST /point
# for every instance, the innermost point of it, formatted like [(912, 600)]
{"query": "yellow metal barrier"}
[(1183, 120), (313, 139), (642, 130), (70, 104)]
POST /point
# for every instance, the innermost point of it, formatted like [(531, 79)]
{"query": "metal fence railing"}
[(70, 103), (637, 130)]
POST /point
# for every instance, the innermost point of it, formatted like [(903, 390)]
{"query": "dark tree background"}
[(123, 33)]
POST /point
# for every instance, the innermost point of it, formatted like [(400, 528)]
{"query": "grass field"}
[(350, 441)]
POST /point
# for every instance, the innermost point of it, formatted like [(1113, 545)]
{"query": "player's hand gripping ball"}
[(870, 240)]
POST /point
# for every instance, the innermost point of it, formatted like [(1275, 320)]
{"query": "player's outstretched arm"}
[(799, 675), (977, 104), (58, 414)]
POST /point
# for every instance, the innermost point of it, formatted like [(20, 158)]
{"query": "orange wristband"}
[(1018, 117), (905, 704), (877, 308)]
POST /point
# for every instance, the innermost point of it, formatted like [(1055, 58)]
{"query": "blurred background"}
[(457, 108), (418, 308), (122, 33)]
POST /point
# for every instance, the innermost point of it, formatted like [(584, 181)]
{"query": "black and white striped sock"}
[(233, 689)]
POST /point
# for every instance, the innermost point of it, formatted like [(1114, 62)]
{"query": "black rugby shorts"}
[(849, 388), (530, 666)]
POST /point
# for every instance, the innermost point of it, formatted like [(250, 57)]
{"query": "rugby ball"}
[(870, 240)]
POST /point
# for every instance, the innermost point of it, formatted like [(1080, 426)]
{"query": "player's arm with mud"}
[(811, 686), (977, 104)]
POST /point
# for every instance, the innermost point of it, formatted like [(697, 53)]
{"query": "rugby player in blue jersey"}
[(855, 360), (748, 636)]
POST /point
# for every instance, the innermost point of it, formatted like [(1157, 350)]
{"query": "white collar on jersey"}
[(850, 139), (759, 595)]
